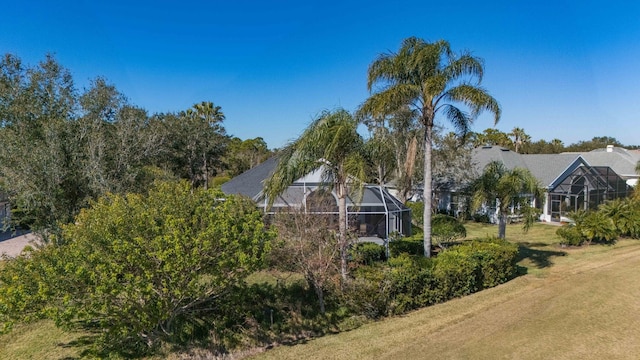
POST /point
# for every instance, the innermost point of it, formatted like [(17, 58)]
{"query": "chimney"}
[(609, 148)]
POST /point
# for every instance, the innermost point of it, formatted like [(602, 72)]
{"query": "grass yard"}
[(585, 306), (41, 340)]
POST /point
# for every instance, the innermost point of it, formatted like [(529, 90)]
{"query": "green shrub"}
[(481, 218), (411, 246), (570, 235), (595, 226), (368, 253), (413, 283), (369, 294), (497, 260), (625, 214), (409, 282), (456, 274), (598, 227), (142, 270), (446, 229), (417, 212)]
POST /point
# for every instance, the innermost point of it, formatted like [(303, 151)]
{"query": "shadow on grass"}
[(537, 254)]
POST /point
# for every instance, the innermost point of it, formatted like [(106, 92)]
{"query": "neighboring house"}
[(572, 181), (376, 214)]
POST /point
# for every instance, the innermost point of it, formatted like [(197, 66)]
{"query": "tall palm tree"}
[(519, 137), (430, 79), (509, 188), (206, 119), (330, 143)]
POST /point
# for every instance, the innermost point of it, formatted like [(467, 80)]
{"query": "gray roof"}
[(551, 168), (250, 182), (622, 161), (483, 155), (547, 168)]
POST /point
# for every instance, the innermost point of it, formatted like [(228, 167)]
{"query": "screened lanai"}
[(585, 188), (373, 213)]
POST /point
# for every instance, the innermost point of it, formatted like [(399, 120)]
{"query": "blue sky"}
[(560, 69)]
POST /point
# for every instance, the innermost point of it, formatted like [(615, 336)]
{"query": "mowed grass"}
[(572, 304), (41, 340)]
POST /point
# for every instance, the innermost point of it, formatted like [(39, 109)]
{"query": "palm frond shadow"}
[(538, 254)]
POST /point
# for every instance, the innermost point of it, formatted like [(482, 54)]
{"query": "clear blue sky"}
[(560, 69)]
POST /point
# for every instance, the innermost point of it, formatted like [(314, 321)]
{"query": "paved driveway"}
[(12, 245)]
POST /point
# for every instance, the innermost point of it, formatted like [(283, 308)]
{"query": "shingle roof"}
[(250, 182), (485, 154), (545, 167), (548, 167), (622, 161)]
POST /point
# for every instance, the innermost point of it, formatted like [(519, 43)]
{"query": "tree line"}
[(63, 148), (519, 141)]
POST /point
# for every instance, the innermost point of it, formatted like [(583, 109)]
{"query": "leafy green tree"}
[(491, 136), (452, 161), (597, 142), (446, 230), (332, 144), (242, 155), (508, 189), (139, 270), (429, 79), (193, 142), (38, 157), (555, 146), (381, 154)]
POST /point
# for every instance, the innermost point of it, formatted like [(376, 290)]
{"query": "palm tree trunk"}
[(342, 229), (502, 225), (428, 141)]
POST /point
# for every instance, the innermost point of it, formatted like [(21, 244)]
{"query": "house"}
[(572, 181), (376, 214)]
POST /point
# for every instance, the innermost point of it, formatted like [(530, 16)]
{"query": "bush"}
[(445, 229), (369, 293), (594, 226), (410, 282), (497, 260), (481, 218), (456, 274), (625, 214), (417, 212), (142, 270), (368, 253), (413, 283), (411, 246), (597, 227), (570, 235)]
